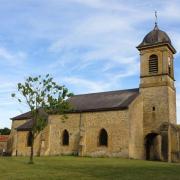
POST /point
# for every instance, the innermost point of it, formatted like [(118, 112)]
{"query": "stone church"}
[(134, 123)]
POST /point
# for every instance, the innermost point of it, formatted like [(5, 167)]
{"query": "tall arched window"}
[(153, 64), (103, 138), (65, 138), (29, 139)]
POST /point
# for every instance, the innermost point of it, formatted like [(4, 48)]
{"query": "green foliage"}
[(5, 131), (43, 93), (43, 96)]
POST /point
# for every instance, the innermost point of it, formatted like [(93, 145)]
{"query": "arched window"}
[(153, 64), (29, 139), (65, 138), (103, 138)]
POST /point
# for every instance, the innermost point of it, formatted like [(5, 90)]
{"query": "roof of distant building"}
[(4, 138)]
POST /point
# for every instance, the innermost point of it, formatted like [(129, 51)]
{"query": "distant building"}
[(135, 123), (3, 144)]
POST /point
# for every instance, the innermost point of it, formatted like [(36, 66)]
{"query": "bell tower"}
[(157, 79)]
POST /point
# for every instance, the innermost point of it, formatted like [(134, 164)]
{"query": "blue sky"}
[(88, 45)]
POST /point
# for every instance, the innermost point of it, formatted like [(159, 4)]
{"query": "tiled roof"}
[(112, 100), (26, 126), (4, 138), (26, 115)]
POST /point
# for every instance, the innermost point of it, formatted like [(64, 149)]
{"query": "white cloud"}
[(97, 38), (11, 58), (170, 10), (91, 3), (84, 85), (5, 86)]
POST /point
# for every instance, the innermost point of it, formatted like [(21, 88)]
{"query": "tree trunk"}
[(32, 152)]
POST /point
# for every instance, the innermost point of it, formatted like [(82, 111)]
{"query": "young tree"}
[(42, 94)]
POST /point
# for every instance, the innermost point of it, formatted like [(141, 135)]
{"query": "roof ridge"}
[(107, 92)]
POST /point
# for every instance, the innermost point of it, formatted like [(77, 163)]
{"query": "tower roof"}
[(156, 37)]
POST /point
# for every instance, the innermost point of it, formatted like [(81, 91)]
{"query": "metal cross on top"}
[(156, 21)]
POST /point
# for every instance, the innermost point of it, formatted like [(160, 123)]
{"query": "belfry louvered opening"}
[(153, 64)]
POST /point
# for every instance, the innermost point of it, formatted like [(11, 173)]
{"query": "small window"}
[(65, 138), (154, 109), (169, 70), (169, 65), (29, 139), (103, 138), (153, 64)]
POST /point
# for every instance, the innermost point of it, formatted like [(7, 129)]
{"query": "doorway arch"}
[(153, 146)]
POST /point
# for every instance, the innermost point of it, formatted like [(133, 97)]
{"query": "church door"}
[(153, 146)]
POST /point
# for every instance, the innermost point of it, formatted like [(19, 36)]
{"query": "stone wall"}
[(22, 148), (41, 143), (44, 141), (172, 105), (57, 126), (12, 141), (136, 140), (116, 123), (84, 132), (83, 129), (156, 108), (163, 100), (174, 143)]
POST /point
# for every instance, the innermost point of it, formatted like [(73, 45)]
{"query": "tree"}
[(5, 131), (42, 94)]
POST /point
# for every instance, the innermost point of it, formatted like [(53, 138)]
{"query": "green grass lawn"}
[(69, 167)]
